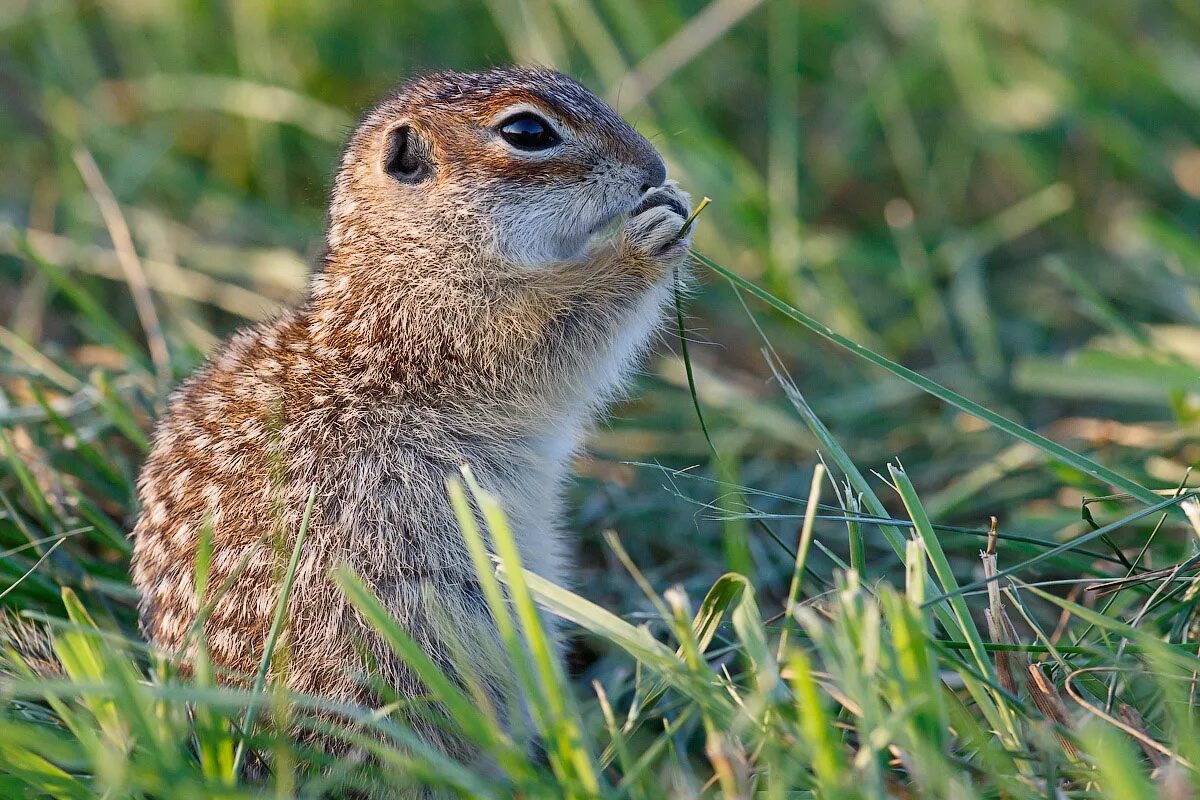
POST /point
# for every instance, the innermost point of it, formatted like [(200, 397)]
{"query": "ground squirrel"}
[(470, 310)]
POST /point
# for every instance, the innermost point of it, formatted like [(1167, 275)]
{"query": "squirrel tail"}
[(31, 644)]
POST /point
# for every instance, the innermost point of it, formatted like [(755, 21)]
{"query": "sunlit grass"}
[(990, 210)]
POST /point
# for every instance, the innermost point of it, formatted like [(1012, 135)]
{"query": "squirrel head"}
[(521, 166)]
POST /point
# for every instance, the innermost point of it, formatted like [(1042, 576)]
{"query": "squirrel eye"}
[(529, 132)]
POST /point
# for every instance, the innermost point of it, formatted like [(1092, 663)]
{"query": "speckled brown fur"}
[(463, 319)]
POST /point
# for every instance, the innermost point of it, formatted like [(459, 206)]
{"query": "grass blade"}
[(1064, 547), (564, 725), (285, 591), (1052, 448)]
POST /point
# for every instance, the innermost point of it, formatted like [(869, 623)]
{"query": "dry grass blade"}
[(1191, 510), (163, 276), (1046, 698), (1130, 716), (37, 360), (131, 264), (1117, 584), (1142, 738), (691, 40), (1000, 628), (32, 569), (691, 220), (244, 98)]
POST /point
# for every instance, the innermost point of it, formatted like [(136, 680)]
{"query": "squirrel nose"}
[(655, 173)]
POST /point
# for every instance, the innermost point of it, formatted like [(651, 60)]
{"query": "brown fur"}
[(426, 343)]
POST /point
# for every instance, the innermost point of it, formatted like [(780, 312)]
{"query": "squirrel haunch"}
[(466, 312)]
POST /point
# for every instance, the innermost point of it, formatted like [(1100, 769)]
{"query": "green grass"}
[(988, 208)]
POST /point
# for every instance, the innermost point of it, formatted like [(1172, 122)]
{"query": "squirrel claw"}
[(657, 223)]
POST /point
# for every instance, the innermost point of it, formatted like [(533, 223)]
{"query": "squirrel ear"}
[(406, 159)]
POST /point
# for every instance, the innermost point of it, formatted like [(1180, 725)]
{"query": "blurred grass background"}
[(1000, 195)]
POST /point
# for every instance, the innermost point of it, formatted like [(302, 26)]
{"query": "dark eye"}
[(529, 132)]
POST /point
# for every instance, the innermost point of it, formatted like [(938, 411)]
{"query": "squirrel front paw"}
[(655, 227)]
